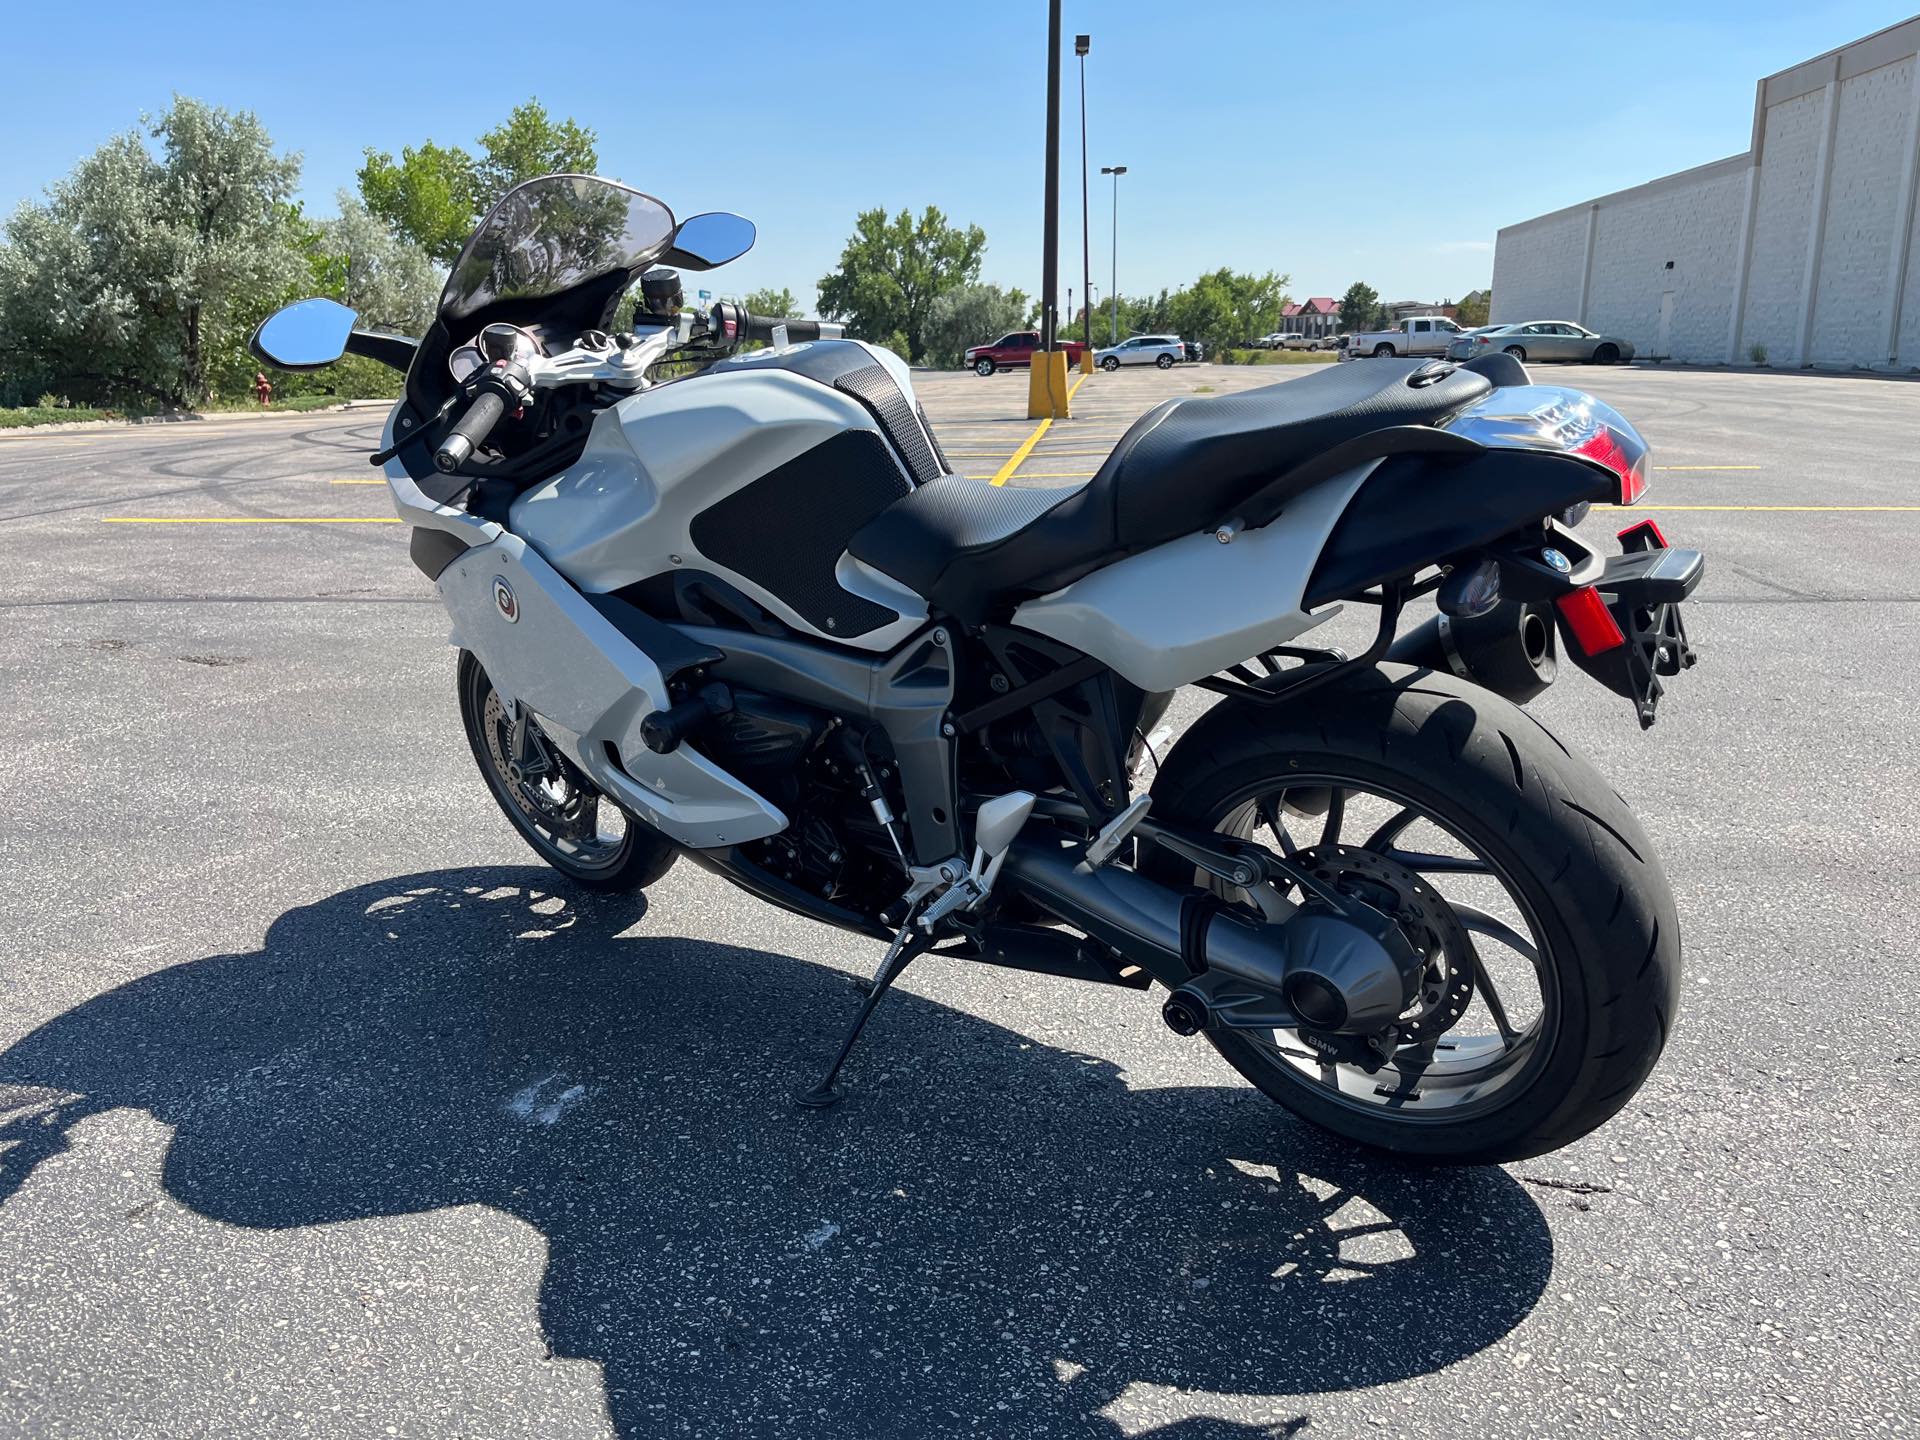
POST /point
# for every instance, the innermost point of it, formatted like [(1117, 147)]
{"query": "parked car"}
[(1166, 351), (1016, 349), (1462, 347), (1545, 340), (1265, 342), (1417, 335), (1289, 340)]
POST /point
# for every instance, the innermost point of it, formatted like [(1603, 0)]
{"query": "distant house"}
[(1318, 316), (1402, 309)]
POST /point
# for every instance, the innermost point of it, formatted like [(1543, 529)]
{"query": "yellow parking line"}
[(1005, 472), (251, 519), (1813, 509)]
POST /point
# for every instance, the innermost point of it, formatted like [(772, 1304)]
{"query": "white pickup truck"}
[(1418, 335)]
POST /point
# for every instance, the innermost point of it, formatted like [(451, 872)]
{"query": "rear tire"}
[(1555, 832), (1518, 353), (640, 855), (1383, 351), (1165, 362), (1110, 364)]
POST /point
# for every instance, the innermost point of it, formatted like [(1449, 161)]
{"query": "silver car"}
[(1543, 340), (1166, 351)]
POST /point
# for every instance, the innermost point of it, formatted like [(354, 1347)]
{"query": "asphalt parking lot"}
[(321, 1113)]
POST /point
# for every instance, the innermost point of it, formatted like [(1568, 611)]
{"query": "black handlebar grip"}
[(755, 327), (469, 431)]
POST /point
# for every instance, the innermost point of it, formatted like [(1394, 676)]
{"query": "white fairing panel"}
[(1187, 609), (590, 686), (623, 512)]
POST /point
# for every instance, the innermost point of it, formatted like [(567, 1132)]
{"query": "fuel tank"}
[(757, 471)]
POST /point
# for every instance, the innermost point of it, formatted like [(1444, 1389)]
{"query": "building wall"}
[(1537, 268), (1696, 226), (1863, 190), (1815, 245)]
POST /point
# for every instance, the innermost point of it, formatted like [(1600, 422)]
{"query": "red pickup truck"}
[(1017, 349)]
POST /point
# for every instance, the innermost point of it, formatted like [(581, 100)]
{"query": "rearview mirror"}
[(305, 335), (704, 241)]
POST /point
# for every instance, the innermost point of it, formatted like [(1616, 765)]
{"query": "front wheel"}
[(1607, 355), (556, 808), (983, 367), (1545, 931), (1111, 363)]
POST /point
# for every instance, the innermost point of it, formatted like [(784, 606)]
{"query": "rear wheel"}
[(1382, 350), (1550, 944), (1517, 353), (1606, 355), (1165, 362), (556, 808), (983, 367), (1112, 362)]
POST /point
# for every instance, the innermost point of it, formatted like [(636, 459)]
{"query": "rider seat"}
[(967, 546)]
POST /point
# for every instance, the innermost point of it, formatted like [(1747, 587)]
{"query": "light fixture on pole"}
[(1113, 294), (1082, 44)]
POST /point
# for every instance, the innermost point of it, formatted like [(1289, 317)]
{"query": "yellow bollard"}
[(1047, 386), (1086, 362)]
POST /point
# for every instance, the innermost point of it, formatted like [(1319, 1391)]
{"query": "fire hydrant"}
[(262, 387)]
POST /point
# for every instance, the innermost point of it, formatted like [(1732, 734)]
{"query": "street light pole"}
[(1113, 292), (1082, 44), (1050, 254)]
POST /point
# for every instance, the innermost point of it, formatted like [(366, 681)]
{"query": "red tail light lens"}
[(1592, 624)]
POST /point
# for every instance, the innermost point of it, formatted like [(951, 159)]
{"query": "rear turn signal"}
[(1592, 624)]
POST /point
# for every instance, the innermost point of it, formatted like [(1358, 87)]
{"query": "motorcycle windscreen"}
[(551, 234), (1570, 422)]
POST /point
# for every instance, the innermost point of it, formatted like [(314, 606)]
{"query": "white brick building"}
[(1805, 248)]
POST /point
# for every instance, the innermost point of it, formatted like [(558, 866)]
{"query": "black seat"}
[(1183, 466)]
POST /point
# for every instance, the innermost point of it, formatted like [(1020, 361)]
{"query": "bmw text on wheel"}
[(748, 616)]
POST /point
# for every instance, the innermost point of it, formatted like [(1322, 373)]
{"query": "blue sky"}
[(1385, 142)]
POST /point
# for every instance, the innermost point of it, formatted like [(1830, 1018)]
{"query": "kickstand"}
[(910, 942)]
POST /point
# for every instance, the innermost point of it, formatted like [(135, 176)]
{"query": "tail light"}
[(1549, 417)]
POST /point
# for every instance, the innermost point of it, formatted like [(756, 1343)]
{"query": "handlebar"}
[(731, 321), (469, 432)]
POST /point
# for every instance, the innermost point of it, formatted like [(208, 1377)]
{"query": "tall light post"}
[(1082, 44), (1113, 293)]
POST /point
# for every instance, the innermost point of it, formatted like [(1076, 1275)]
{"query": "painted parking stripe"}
[(1005, 472), (251, 520)]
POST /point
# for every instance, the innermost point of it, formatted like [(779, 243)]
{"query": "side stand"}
[(911, 941)]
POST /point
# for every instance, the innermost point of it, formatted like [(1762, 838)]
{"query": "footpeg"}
[(1115, 832)]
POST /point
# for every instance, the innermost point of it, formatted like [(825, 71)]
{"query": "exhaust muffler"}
[(1225, 968), (1510, 650)]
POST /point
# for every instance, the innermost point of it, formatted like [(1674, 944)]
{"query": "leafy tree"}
[(528, 146), (772, 304), (434, 195), (971, 315), (427, 197), (1359, 307), (133, 276), (1473, 309), (388, 281), (1222, 308), (892, 271)]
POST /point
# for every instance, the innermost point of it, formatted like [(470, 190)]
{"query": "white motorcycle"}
[(730, 603)]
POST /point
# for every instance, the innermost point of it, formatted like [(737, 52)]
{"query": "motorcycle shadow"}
[(988, 1227)]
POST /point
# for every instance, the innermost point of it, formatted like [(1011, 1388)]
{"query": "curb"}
[(188, 417)]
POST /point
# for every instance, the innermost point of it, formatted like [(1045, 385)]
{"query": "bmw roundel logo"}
[(505, 601)]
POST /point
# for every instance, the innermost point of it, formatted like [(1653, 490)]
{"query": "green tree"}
[(530, 145), (1473, 309), (434, 195), (428, 197), (1224, 307), (892, 271), (772, 304), (135, 274), (971, 315), (389, 282), (1358, 307)]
